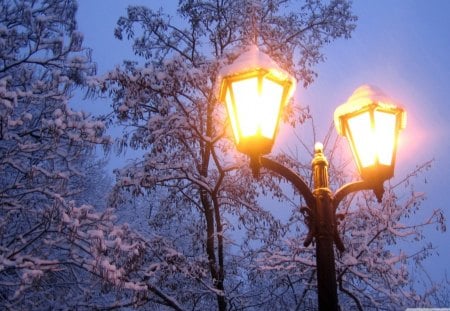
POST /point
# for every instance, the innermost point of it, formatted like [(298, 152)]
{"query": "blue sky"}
[(403, 47)]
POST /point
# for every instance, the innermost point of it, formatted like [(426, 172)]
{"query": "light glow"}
[(255, 90), (270, 99), (361, 131), (246, 101), (232, 113), (374, 141), (371, 123), (385, 135), (256, 107)]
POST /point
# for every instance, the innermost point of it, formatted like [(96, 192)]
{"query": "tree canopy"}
[(185, 226)]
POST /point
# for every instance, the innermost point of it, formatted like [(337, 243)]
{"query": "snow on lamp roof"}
[(362, 97), (254, 59)]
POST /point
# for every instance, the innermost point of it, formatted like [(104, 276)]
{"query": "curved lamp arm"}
[(291, 176), (346, 189)]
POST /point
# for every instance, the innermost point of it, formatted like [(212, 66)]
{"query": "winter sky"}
[(403, 47)]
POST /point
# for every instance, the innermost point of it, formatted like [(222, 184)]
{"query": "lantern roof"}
[(362, 97), (253, 59)]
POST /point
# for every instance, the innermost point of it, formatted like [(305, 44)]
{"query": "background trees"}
[(188, 229), (50, 247), (169, 107)]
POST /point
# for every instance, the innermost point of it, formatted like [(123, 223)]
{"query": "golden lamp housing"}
[(371, 123), (255, 90)]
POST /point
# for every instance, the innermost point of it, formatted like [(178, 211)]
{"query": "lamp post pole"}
[(320, 216), (321, 220), (325, 227)]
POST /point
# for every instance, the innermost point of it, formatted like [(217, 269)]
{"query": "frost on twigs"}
[(190, 228), (190, 186), (46, 240)]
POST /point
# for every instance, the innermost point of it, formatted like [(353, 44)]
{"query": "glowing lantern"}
[(255, 90), (371, 124)]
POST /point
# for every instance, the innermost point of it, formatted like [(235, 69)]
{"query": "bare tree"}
[(169, 109), (206, 238), (54, 253)]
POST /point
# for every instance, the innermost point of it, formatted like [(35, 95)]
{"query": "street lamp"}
[(255, 91), (371, 124)]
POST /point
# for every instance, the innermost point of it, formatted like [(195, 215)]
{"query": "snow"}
[(116, 232), (395, 259), (33, 273), (14, 123), (57, 113), (160, 75), (95, 242), (27, 116), (349, 260), (363, 96), (135, 286), (253, 59), (123, 108), (66, 219), (59, 122), (95, 234), (108, 266)]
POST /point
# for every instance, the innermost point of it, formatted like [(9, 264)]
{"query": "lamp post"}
[(255, 89)]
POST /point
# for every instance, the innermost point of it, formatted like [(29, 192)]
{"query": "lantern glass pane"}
[(246, 101), (269, 108), (362, 139), (232, 115), (385, 136)]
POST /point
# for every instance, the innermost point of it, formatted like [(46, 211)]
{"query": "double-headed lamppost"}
[(255, 90)]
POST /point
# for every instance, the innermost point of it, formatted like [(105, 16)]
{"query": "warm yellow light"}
[(371, 124), (256, 107), (385, 138), (361, 130), (246, 97), (232, 113), (373, 143), (254, 97), (271, 98)]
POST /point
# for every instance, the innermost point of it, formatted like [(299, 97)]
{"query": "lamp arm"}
[(291, 176), (346, 189)]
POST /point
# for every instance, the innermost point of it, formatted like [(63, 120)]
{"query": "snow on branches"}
[(168, 108), (47, 243)]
